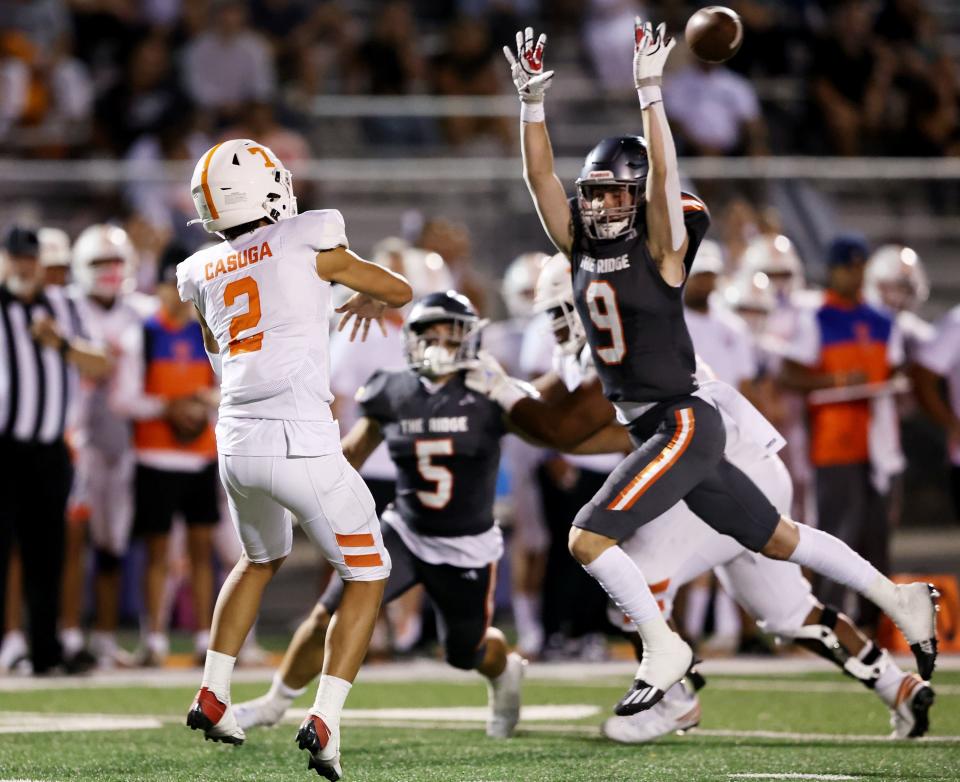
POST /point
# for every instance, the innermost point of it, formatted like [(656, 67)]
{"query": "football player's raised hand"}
[(491, 380), (365, 310), (650, 51), (526, 67)]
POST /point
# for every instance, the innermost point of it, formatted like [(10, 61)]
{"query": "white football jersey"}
[(269, 311)]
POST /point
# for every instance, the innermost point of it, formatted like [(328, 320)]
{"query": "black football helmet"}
[(422, 352), (616, 162)]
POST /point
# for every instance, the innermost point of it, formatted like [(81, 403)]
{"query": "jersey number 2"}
[(605, 314), (245, 320), (441, 476)]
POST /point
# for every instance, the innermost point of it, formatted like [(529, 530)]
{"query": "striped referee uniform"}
[(37, 386)]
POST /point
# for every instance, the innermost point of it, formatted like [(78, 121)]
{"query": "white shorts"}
[(105, 488), (327, 496)]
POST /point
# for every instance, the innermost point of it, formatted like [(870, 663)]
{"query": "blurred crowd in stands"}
[(135, 78)]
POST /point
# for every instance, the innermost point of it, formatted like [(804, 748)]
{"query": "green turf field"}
[(740, 737)]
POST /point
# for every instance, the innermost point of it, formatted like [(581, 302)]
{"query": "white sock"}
[(695, 610), (217, 671), (831, 557), (726, 616), (888, 683), (280, 691), (526, 615), (71, 639), (331, 695), (622, 580), (158, 643)]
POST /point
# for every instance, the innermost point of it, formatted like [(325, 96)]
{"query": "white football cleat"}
[(504, 698), (661, 668), (108, 652), (917, 619), (679, 709), (909, 718), (215, 718), (323, 744), (262, 712)]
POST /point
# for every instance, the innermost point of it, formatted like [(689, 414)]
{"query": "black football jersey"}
[(633, 317), (446, 446)]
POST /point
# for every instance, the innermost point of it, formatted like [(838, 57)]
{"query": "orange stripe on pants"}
[(660, 464)]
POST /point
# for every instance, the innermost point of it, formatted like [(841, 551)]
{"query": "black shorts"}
[(679, 456), (162, 493), (384, 490), (463, 598)]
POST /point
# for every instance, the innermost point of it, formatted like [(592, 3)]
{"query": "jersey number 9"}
[(602, 304)]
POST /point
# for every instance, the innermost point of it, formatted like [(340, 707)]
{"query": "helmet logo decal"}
[(600, 175), (207, 195), (268, 163)]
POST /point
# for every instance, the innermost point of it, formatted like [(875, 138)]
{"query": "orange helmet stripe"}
[(205, 187)]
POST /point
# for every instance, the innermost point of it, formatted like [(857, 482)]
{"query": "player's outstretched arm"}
[(549, 197), (613, 438), (361, 441), (342, 266), (666, 232)]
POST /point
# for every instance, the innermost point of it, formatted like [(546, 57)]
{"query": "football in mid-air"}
[(714, 33)]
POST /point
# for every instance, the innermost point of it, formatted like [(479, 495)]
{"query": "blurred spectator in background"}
[(145, 100), (854, 439), (851, 75), (466, 66), (40, 383), (715, 111), (55, 256), (451, 241), (388, 62), (41, 84), (603, 27), (228, 65), (165, 383), (282, 22), (258, 121), (938, 366), (324, 53)]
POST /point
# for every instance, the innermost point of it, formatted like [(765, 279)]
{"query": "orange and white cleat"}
[(323, 744), (909, 717), (215, 718)]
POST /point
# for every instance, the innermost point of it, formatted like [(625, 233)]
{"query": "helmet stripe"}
[(205, 187)]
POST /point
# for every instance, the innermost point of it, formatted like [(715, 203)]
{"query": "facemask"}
[(438, 361), (107, 281)]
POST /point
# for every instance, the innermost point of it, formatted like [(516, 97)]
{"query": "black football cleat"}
[(323, 746)]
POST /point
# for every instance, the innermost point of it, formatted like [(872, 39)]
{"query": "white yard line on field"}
[(31, 722), (790, 776)]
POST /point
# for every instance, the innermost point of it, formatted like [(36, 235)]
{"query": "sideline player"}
[(677, 547), (631, 236), (445, 441), (263, 299)]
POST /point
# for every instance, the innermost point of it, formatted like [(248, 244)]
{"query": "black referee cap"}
[(22, 240)]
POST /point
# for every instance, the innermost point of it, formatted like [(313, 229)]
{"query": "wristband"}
[(531, 112), (507, 394), (649, 95)]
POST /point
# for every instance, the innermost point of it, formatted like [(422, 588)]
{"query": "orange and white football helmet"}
[(240, 181)]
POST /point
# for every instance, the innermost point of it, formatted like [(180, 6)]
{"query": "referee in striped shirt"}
[(42, 349)]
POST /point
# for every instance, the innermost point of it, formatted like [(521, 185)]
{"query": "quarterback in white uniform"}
[(102, 269), (263, 300), (677, 547)]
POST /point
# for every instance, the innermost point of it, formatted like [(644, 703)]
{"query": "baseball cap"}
[(22, 240), (846, 249)]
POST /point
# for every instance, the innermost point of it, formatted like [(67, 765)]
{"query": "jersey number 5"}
[(605, 314), (245, 320), (441, 476)]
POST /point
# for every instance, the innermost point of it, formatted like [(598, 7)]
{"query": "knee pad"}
[(107, 561), (463, 656)]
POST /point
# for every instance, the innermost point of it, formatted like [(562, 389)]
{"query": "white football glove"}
[(527, 67), (650, 53), (492, 381)]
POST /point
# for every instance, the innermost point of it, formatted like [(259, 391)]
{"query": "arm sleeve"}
[(324, 230), (941, 354), (373, 398), (127, 397)]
